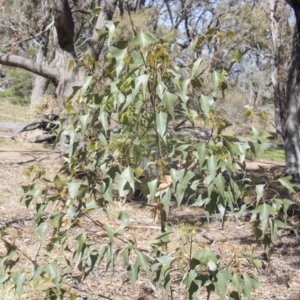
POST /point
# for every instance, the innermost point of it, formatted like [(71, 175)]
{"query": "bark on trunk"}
[(277, 68), (292, 147), (40, 83)]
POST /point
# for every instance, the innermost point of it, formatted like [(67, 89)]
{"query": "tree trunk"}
[(276, 7), (292, 147), (40, 83), (291, 141)]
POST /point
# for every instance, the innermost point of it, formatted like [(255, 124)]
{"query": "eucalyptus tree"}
[(68, 27), (281, 32), (292, 146)]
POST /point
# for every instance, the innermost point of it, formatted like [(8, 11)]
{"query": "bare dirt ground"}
[(279, 277)]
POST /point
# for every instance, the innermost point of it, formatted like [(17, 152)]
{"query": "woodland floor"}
[(279, 277)]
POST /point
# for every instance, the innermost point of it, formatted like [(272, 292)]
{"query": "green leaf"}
[(111, 26), (249, 284), (237, 282), (128, 175), (216, 79), (236, 56), (160, 89), (286, 205), (196, 67), (96, 11), (210, 34), (229, 35), (264, 210), (180, 179), (152, 185), (212, 166), (103, 118), (71, 65), (3, 279), (165, 198), (223, 126), (220, 184), (41, 231), (168, 101), (51, 270), (80, 248), (285, 181), (90, 263), (102, 33), (123, 187), (223, 277), (83, 121), (141, 80), (165, 260), (73, 189), (119, 54), (259, 189), (161, 123), (143, 40), (123, 216), (133, 272), (204, 256), (91, 205), (109, 232), (76, 189), (88, 80), (19, 280), (257, 263), (201, 149), (206, 103)]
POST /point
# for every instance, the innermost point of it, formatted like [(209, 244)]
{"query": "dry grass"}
[(13, 113), (279, 276)]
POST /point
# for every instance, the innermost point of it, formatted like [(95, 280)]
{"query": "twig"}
[(179, 125), (37, 123), (44, 138), (30, 38), (154, 290)]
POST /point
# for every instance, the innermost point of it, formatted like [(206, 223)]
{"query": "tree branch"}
[(31, 37), (29, 65)]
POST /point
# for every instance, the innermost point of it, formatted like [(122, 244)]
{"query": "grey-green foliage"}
[(17, 87), (111, 114)]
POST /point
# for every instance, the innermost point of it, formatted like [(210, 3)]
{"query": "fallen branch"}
[(37, 123), (44, 138)]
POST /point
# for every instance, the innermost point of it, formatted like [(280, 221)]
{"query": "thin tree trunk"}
[(291, 140), (292, 147), (277, 68)]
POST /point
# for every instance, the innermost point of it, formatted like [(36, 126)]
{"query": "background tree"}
[(281, 41), (64, 37), (291, 138)]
